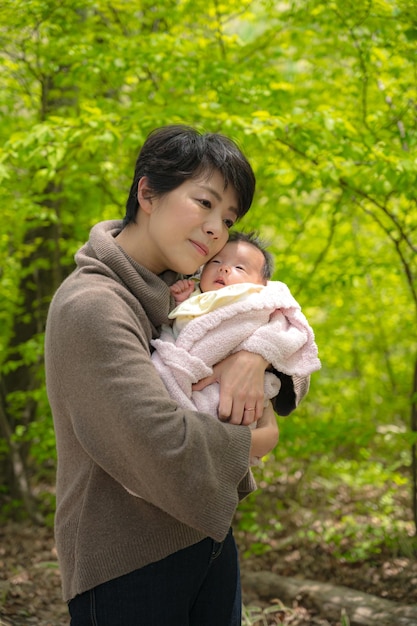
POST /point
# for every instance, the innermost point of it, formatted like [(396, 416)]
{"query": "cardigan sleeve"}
[(293, 389), (113, 413)]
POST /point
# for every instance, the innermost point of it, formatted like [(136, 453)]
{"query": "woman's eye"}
[(229, 223), (206, 203)]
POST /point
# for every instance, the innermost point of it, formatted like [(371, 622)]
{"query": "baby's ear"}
[(145, 195)]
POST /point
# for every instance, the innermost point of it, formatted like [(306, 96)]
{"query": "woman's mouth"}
[(200, 247)]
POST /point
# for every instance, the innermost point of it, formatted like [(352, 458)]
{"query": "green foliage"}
[(321, 96), (355, 510)]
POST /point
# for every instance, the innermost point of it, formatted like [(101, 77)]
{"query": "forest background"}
[(321, 96)]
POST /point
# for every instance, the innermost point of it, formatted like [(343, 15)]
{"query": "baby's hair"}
[(254, 239)]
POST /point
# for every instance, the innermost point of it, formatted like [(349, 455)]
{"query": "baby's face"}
[(237, 262)]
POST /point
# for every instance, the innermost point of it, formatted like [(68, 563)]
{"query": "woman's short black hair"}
[(173, 154)]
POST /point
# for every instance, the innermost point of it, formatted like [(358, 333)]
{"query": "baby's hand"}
[(182, 289)]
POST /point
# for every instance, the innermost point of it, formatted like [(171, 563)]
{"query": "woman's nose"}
[(214, 227)]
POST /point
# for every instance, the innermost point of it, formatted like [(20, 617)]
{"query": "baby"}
[(243, 261), (234, 307)]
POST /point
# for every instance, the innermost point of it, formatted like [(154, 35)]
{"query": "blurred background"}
[(321, 96)]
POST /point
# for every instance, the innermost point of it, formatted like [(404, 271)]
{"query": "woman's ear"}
[(144, 195)]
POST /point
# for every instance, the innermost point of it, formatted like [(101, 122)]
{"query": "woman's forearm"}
[(266, 434)]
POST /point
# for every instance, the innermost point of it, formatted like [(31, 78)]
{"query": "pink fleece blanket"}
[(269, 323)]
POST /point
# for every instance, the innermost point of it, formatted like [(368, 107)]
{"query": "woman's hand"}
[(266, 434), (241, 379)]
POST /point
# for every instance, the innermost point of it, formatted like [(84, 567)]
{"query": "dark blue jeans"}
[(197, 586)]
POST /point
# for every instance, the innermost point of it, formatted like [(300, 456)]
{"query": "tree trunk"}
[(362, 609), (37, 286), (413, 425), (20, 486)]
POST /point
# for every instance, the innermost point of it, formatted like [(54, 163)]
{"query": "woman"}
[(167, 558)]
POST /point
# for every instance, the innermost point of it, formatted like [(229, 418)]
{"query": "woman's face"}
[(189, 225)]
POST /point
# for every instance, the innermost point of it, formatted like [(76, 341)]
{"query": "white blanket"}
[(269, 323)]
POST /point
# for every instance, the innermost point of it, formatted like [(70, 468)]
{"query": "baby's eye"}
[(240, 267), (229, 223), (215, 261)]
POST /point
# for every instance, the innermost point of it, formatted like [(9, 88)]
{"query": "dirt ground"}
[(30, 592), (290, 528)]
